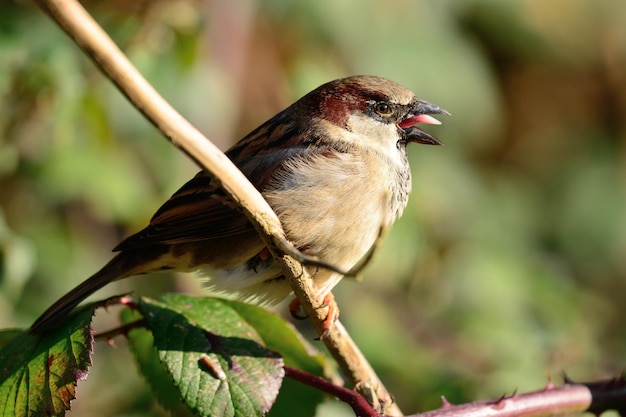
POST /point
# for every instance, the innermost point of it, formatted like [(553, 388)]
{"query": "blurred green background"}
[(510, 261)]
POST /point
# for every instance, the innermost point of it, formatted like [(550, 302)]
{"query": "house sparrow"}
[(333, 166)]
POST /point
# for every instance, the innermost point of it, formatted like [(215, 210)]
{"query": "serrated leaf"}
[(141, 344), (216, 359), (278, 335), (39, 373)]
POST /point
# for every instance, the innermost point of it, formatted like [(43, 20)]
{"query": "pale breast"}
[(333, 205)]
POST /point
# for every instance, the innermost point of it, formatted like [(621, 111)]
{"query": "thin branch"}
[(595, 397), (546, 402), (359, 405), (122, 330), (90, 37)]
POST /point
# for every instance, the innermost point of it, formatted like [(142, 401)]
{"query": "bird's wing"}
[(200, 210), (195, 212)]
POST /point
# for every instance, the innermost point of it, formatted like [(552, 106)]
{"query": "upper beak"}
[(420, 113)]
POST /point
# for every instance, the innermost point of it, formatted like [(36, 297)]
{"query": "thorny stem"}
[(358, 403), (121, 330), (594, 397)]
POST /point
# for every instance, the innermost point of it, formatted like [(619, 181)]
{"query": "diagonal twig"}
[(92, 39)]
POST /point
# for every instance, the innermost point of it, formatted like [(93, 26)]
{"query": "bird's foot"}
[(297, 312)]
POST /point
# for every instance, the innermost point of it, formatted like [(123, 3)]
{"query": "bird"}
[(333, 166)]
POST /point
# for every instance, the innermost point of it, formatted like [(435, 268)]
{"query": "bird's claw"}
[(296, 311)]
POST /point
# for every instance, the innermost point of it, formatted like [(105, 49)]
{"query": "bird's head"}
[(374, 108)]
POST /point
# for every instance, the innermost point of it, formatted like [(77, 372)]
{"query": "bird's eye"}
[(383, 108)]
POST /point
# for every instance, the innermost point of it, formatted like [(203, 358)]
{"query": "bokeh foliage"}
[(510, 260)]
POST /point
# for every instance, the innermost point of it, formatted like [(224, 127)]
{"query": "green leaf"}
[(141, 344), (216, 359), (278, 335), (38, 373)]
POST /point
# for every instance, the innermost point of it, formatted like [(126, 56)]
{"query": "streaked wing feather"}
[(197, 212), (192, 214)]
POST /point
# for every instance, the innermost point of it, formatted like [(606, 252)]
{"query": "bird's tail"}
[(120, 266)]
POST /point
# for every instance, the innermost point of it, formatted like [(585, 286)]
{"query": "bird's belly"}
[(334, 205), (338, 227)]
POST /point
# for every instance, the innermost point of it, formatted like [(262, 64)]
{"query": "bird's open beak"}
[(421, 114)]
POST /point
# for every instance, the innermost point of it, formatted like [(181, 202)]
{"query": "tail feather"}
[(117, 268)]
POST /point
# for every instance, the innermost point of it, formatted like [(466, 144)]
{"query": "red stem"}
[(359, 405)]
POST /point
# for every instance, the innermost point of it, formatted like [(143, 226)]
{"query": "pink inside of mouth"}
[(420, 118)]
